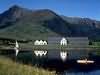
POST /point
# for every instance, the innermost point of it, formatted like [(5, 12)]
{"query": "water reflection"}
[(61, 68), (95, 72), (86, 70)]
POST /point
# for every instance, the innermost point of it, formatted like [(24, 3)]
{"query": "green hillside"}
[(21, 23)]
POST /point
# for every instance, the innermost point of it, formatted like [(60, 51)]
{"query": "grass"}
[(9, 67), (96, 44)]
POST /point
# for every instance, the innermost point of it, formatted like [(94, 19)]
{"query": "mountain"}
[(84, 27), (82, 21), (22, 23)]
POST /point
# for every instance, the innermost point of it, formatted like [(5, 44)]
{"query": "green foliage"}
[(95, 44)]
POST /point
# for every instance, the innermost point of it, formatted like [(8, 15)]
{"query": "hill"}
[(84, 27), (22, 23)]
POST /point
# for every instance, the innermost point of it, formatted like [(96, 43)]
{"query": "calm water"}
[(90, 70), (95, 72)]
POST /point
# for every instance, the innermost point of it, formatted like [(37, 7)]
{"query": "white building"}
[(41, 42), (63, 41)]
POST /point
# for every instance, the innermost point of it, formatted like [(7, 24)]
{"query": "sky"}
[(71, 8)]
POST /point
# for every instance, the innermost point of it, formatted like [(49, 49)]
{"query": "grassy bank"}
[(9, 67)]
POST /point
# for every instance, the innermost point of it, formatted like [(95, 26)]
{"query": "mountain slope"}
[(23, 23), (84, 27)]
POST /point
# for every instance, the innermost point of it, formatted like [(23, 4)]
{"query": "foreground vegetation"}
[(9, 67)]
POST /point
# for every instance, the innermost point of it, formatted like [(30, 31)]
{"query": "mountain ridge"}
[(22, 23)]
